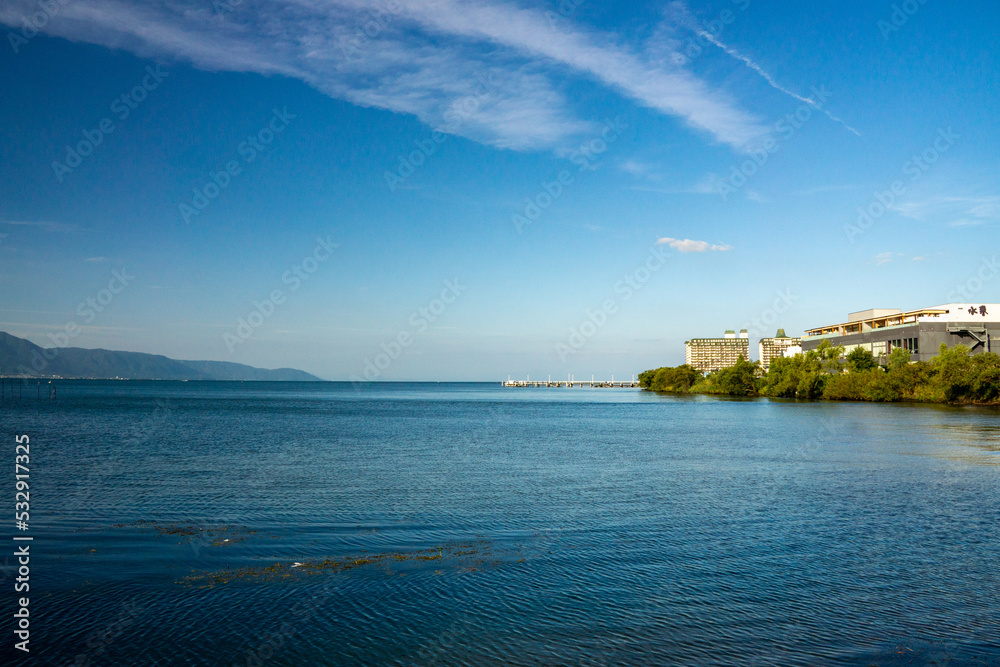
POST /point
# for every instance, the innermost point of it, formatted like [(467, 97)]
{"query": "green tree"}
[(830, 356), (846, 386), (801, 376), (646, 377), (880, 387), (678, 379), (861, 359), (739, 379), (953, 371), (911, 379), (782, 379), (985, 377), (898, 358), (811, 385)]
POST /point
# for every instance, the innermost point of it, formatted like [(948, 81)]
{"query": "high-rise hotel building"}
[(710, 354), (779, 346)]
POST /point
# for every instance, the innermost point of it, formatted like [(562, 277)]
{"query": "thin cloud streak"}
[(44, 225)]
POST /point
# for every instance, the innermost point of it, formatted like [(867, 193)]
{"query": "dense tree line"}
[(954, 375)]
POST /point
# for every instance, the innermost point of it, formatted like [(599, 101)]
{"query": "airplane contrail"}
[(770, 80)]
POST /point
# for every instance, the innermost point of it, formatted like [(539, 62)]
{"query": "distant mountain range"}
[(20, 357)]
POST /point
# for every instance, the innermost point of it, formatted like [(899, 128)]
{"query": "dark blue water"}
[(468, 524)]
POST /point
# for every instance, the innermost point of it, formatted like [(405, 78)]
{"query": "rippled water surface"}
[(466, 524)]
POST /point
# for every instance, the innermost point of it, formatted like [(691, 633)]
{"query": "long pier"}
[(569, 384)]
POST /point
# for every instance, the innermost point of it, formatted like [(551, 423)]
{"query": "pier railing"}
[(611, 384)]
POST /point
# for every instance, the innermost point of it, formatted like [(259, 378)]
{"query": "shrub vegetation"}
[(954, 375)]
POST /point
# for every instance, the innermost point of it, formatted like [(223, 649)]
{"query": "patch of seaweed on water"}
[(216, 535), (466, 557)]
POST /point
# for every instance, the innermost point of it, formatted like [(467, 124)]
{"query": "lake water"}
[(467, 524)]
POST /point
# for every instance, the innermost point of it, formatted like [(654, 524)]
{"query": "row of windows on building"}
[(711, 354), (911, 344)]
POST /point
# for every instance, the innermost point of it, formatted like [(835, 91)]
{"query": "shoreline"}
[(906, 401)]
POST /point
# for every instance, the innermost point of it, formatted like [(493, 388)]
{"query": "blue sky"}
[(539, 166)]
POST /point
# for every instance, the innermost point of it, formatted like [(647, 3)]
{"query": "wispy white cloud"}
[(43, 225), (986, 207), (919, 259), (707, 185), (635, 168), (647, 172), (956, 211), (672, 91), (687, 245), (414, 57), (808, 192), (97, 259)]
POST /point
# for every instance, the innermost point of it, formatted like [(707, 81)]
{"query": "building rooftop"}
[(872, 313), (881, 318)]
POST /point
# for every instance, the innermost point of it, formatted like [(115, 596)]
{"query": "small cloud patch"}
[(886, 257), (687, 245)]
